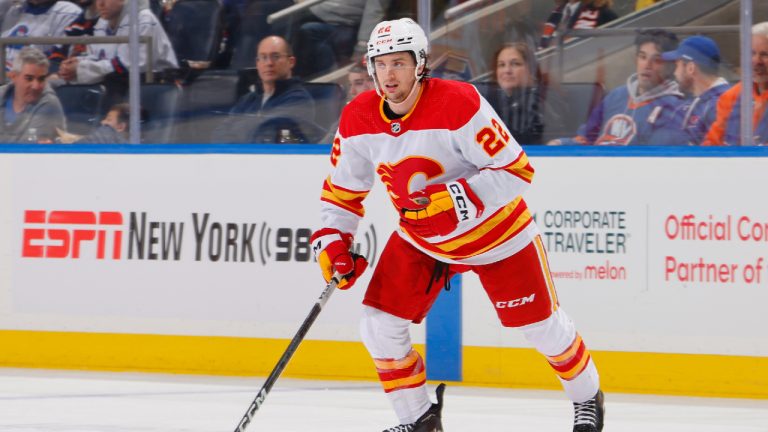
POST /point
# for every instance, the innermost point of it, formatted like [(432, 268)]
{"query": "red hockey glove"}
[(438, 209), (331, 248)]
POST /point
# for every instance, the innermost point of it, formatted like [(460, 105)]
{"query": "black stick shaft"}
[(286, 357)]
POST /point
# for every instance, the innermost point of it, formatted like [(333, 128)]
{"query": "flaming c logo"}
[(397, 176)]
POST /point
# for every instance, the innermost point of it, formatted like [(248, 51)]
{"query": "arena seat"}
[(83, 106), (329, 99), (161, 102), (205, 102)]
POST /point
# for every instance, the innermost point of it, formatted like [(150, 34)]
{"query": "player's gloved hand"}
[(438, 209), (331, 248)]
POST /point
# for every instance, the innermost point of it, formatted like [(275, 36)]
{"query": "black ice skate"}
[(588, 416), (430, 421)]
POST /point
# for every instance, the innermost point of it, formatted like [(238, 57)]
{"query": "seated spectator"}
[(576, 14), (103, 59), (31, 111), (112, 130), (336, 33), (697, 61), (644, 111), (82, 26), (358, 81), (279, 103), (518, 99), (726, 128), (38, 18)]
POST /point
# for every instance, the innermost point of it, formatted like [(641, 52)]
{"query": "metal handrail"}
[(73, 40), (290, 10)]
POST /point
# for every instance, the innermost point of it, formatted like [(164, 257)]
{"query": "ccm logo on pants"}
[(516, 302)]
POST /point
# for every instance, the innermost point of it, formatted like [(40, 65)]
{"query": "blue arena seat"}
[(329, 99), (160, 101), (83, 106)]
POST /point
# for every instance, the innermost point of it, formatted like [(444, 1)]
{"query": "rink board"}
[(198, 262)]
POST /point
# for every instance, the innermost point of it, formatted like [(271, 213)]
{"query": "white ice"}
[(57, 401)]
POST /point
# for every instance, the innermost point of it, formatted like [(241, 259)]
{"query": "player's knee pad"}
[(384, 335), (553, 335)]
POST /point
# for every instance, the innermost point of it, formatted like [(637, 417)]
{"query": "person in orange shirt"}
[(726, 128)]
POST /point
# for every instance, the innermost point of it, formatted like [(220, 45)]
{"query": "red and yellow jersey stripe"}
[(349, 200), (501, 226), (520, 168)]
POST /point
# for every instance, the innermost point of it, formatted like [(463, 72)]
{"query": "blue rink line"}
[(314, 149)]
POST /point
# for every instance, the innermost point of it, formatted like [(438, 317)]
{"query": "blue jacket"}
[(626, 118), (290, 107), (698, 114)]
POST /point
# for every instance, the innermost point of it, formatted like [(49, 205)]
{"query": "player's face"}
[(358, 83), (683, 75), (29, 83), (512, 70), (273, 61), (396, 75), (109, 9), (650, 67), (760, 59)]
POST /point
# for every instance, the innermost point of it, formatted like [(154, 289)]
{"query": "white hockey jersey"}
[(450, 133), (102, 59), (26, 20)]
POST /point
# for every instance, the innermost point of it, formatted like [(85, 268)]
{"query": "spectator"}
[(519, 99), (644, 110), (726, 128), (82, 26), (336, 33), (31, 111), (358, 81), (38, 18), (279, 103), (112, 130), (576, 14), (697, 61), (104, 59)]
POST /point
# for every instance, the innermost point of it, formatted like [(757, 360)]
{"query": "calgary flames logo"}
[(398, 176)]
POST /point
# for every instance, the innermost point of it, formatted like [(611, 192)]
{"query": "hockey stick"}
[(292, 347)]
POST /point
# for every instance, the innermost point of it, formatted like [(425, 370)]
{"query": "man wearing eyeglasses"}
[(279, 103)]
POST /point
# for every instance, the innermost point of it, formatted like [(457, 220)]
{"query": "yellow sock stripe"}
[(571, 373), (404, 382), (402, 363), (568, 353)]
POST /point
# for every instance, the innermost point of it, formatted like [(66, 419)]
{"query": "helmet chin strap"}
[(405, 105)]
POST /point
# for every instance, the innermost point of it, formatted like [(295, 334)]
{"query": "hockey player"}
[(455, 176)]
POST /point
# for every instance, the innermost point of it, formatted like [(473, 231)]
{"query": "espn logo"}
[(61, 233)]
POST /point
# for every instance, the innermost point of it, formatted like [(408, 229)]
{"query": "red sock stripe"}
[(398, 374), (570, 364)]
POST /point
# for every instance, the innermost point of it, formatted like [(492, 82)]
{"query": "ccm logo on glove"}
[(438, 209)]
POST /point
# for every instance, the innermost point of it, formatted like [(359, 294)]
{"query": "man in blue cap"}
[(697, 64)]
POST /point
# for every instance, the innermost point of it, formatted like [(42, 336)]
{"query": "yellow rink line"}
[(652, 373)]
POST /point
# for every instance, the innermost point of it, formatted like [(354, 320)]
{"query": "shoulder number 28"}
[(492, 140)]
